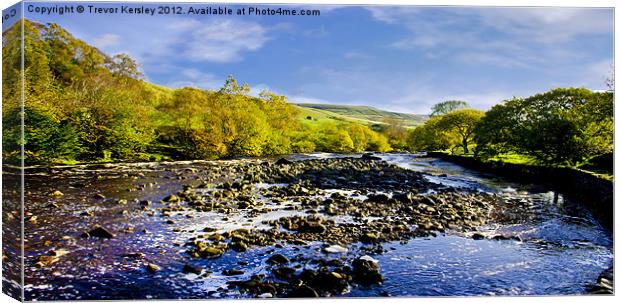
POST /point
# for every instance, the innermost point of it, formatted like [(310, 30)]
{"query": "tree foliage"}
[(83, 105), (562, 126), (462, 123), (449, 131)]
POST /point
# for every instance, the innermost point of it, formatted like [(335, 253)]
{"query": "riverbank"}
[(594, 192)]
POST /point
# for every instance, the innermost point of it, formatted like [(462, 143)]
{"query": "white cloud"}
[(224, 40), (524, 37), (548, 24), (106, 40)]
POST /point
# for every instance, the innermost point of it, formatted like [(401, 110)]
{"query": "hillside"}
[(364, 114), (84, 105)]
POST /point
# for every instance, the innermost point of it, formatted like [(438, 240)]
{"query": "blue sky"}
[(397, 58)]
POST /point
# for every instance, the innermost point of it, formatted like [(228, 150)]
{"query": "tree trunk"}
[(465, 149)]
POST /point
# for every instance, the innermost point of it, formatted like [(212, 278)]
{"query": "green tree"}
[(431, 136), (462, 122), (562, 126)]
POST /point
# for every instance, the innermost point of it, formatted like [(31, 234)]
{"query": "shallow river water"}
[(562, 248)]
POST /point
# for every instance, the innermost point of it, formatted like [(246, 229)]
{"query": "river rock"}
[(284, 273), (478, 236), (369, 238), (335, 249), (312, 227), (278, 259), (171, 198), (303, 291), (266, 295), (98, 232), (238, 246), (44, 261), (152, 267), (187, 268), (501, 237), (604, 283), (232, 272), (283, 161), (366, 271), (369, 156), (137, 255), (56, 194)]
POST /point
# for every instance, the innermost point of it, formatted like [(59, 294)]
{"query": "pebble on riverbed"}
[(150, 267)]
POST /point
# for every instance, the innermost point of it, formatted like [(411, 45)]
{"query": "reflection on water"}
[(562, 250)]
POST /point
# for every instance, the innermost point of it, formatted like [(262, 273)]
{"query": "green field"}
[(362, 114)]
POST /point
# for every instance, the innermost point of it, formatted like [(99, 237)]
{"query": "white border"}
[(510, 3)]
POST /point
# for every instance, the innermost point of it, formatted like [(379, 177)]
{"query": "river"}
[(552, 245)]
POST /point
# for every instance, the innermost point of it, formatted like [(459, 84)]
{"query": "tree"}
[(365, 139), (445, 107), (123, 66), (430, 137), (462, 122), (561, 126), (395, 132)]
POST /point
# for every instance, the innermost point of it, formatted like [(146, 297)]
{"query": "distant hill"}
[(364, 114)]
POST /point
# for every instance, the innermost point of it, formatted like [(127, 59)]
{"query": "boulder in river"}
[(188, 268), (56, 194), (366, 271), (303, 291), (98, 232), (312, 227), (152, 267), (171, 198), (369, 238), (278, 259), (370, 156), (283, 161), (232, 272), (478, 236)]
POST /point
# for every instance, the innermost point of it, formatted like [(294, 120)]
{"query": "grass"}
[(513, 158), (362, 114), (311, 116)]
